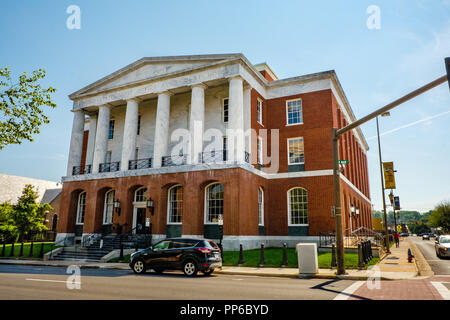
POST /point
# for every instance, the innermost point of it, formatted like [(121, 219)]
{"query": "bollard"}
[(3, 249), (241, 255), (360, 256), (284, 263), (41, 253), (333, 256), (30, 254), (121, 249), (262, 260), (370, 250), (21, 250), (11, 252)]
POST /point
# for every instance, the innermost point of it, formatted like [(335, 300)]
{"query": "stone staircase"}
[(102, 246)]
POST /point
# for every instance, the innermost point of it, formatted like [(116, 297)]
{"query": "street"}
[(439, 266)]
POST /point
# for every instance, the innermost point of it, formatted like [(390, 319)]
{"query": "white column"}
[(76, 141), (101, 137), (235, 140), (247, 117), (91, 138), (161, 128), (129, 133), (196, 122)]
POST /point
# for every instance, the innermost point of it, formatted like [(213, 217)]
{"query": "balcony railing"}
[(247, 157), (81, 170), (140, 164), (169, 161), (213, 156), (109, 167)]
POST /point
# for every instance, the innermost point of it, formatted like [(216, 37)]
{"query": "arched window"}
[(140, 195), (108, 207), (81, 207), (175, 205), (260, 207), (213, 202), (298, 207)]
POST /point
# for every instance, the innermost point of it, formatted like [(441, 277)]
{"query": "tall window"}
[(111, 129), (139, 125), (294, 111), (140, 195), (81, 208), (259, 111), (298, 206), (108, 207), (224, 147), (213, 203), (225, 110), (175, 205), (296, 151), (260, 207)]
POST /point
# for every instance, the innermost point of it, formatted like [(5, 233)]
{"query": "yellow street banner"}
[(399, 228), (389, 179)]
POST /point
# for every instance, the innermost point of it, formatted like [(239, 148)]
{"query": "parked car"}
[(442, 246), (425, 236), (403, 234), (188, 255)]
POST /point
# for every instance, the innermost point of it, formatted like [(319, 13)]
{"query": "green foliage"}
[(20, 106), (440, 217), (23, 218)]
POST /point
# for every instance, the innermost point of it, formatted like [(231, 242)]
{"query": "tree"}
[(440, 217), (7, 229), (20, 106), (27, 215)]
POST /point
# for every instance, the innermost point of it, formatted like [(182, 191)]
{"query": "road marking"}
[(443, 291), (47, 280), (344, 295)]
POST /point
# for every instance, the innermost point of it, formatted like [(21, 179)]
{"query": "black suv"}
[(188, 255)]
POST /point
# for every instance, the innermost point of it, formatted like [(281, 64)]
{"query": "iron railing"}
[(81, 170), (140, 164), (213, 156), (169, 161), (352, 238), (109, 167)]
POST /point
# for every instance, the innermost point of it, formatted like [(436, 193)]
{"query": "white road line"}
[(443, 291), (344, 295), (47, 280)]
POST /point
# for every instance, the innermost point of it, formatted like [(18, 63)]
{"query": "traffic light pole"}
[(336, 133)]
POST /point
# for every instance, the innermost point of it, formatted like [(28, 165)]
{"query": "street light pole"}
[(386, 231)]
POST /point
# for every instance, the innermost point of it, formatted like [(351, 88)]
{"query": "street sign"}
[(447, 67), (344, 161), (396, 203), (147, 222), (399, 228), (389, 179)]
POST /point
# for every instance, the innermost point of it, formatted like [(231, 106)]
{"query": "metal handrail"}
[(140, 164)]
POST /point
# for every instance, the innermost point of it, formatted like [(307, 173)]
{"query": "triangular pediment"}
[(151, 68)]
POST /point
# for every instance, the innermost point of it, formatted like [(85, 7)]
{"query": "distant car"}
[(188, 255), (425, 236), (442, 246), (414, 235), (403, 234)]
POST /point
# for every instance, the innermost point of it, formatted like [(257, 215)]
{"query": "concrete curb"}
[(421, 263)]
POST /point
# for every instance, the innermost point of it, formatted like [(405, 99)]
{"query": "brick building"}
[(170, 145)]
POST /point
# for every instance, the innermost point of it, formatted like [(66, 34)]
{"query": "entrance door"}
[(140, 220)]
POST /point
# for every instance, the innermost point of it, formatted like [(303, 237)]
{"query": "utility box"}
[(307, 258)]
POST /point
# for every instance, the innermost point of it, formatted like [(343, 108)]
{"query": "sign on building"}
[(389, 179)]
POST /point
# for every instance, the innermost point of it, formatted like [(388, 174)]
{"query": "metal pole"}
[(386, 231), (337, 206)]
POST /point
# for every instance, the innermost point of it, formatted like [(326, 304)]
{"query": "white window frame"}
[(289, 158), (205, 213), (169, 205), (135, 195), (105, 208), (287, 112), (259, 111), (223, 110), (289, 209), (79, 208), (259, 155), (111, 128), (260, 207)]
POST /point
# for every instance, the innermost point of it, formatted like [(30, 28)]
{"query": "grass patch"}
[(126, 258), (274, 256), (48, 246)]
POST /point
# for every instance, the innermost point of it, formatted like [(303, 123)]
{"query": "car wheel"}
[(438, 255), (138, 266), (190, 268), (208, 273), (158, 270)]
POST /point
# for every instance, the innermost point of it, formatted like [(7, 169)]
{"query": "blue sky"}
[(295, 38)]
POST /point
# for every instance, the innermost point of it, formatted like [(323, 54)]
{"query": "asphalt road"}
[(439, 266), (31, 282)]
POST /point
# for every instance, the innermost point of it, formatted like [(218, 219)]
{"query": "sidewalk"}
[(394, 266)]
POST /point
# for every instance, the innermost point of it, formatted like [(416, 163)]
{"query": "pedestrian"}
[(397, 239)]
